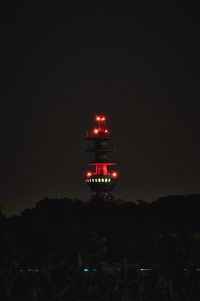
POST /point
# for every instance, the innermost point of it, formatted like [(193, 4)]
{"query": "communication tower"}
[(101, 175)]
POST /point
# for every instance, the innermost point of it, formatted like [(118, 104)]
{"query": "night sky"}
[(62, 64)]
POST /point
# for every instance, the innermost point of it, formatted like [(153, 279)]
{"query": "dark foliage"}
[(60, 237)]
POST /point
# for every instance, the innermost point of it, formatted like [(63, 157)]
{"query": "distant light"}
[(29, 270), (103, 118), (89, 174), (106, 131), (98, 118), (114, 174), (96, 131), (86, 270)]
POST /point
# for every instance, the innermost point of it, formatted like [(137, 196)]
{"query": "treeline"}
[(104, 229)]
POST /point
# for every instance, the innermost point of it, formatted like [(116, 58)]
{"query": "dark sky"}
[(62, 64)]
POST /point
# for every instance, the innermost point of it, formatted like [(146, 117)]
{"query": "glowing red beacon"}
[(101, 177)]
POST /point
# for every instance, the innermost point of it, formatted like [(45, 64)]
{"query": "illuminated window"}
[(99, 180), (92, 180), (102, 180), (106, 180)]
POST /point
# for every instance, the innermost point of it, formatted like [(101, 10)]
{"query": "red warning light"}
[(106, 131), (98, 118), (96, 131), (103, 118), (89, 174), (114, 174)]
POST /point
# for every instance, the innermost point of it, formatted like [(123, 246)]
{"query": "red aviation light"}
[(98, 118), (88, 174), (114, 174), (106, 131), (96, 131)]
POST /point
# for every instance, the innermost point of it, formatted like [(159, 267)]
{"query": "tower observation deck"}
[(101, 176)]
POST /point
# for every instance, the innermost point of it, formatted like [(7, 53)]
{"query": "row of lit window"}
[(98, 180)]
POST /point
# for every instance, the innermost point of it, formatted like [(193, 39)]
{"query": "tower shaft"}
[(101, 177)]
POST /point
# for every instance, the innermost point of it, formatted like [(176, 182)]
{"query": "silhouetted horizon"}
[(92, 196)]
